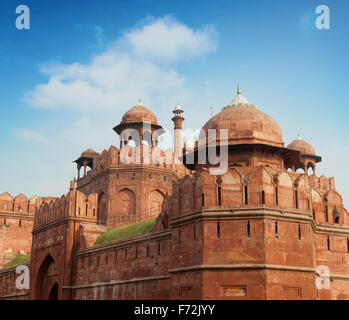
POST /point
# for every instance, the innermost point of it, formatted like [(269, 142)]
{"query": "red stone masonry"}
[(260, 230)]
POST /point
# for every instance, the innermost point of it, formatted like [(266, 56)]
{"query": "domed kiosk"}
[(308, 157), (253, 137), (85, 160), (245, 124), (141, 120)]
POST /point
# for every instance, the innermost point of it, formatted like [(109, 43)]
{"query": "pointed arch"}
[(125, 202), (46, 272), (53, 295), (102, 215), (155, 200)]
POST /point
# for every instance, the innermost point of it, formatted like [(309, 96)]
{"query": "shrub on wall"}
[(17, 260), (136, 229)]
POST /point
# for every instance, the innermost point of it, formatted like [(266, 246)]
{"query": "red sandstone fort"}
[(260, 230)]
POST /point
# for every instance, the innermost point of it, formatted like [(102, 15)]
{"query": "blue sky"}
[(67, 81)]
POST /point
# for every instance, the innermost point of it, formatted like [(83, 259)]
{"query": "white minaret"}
[(178, 122)]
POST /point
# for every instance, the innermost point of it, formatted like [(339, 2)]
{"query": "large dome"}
[(139, 113), (245, 124), (302, 146)]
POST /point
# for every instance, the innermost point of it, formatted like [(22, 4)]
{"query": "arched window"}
[(219, 196), (248, 229), (218, 230), (155, 200)]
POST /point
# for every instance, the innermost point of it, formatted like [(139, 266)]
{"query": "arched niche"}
[(155, 201), (46, 275), (125, 202), (102, 215)]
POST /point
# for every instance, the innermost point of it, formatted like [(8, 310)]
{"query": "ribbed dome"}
[(302, 146), (139, 113), (246, 124)]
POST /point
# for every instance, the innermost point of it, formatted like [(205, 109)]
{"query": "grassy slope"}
[(17, 260), (119, 233)]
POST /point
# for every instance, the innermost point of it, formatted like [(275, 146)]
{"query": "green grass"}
[(136, 229), (17, 260)]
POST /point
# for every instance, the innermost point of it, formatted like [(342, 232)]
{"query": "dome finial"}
[(239, 98)]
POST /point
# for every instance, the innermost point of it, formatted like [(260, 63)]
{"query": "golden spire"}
[(239, 91)]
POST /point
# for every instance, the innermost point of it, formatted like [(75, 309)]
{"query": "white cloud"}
[(127, 70), (91, 97), (169, 39), (30, 135)]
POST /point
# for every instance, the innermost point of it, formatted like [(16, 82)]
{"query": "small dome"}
[(89, 153), (245, 124), (302, 146), (139, 113)]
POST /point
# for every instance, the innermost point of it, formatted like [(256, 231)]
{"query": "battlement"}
[(20, 204), (144, 155), (72, 204), (323, 183), (243, 187)]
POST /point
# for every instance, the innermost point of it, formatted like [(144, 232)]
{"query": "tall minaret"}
[(178, 121)]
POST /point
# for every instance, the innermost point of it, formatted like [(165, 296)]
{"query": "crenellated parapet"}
[(72, 204), (262, 186), (129, 156), (16, 224), (20, 204), (323, 183)]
